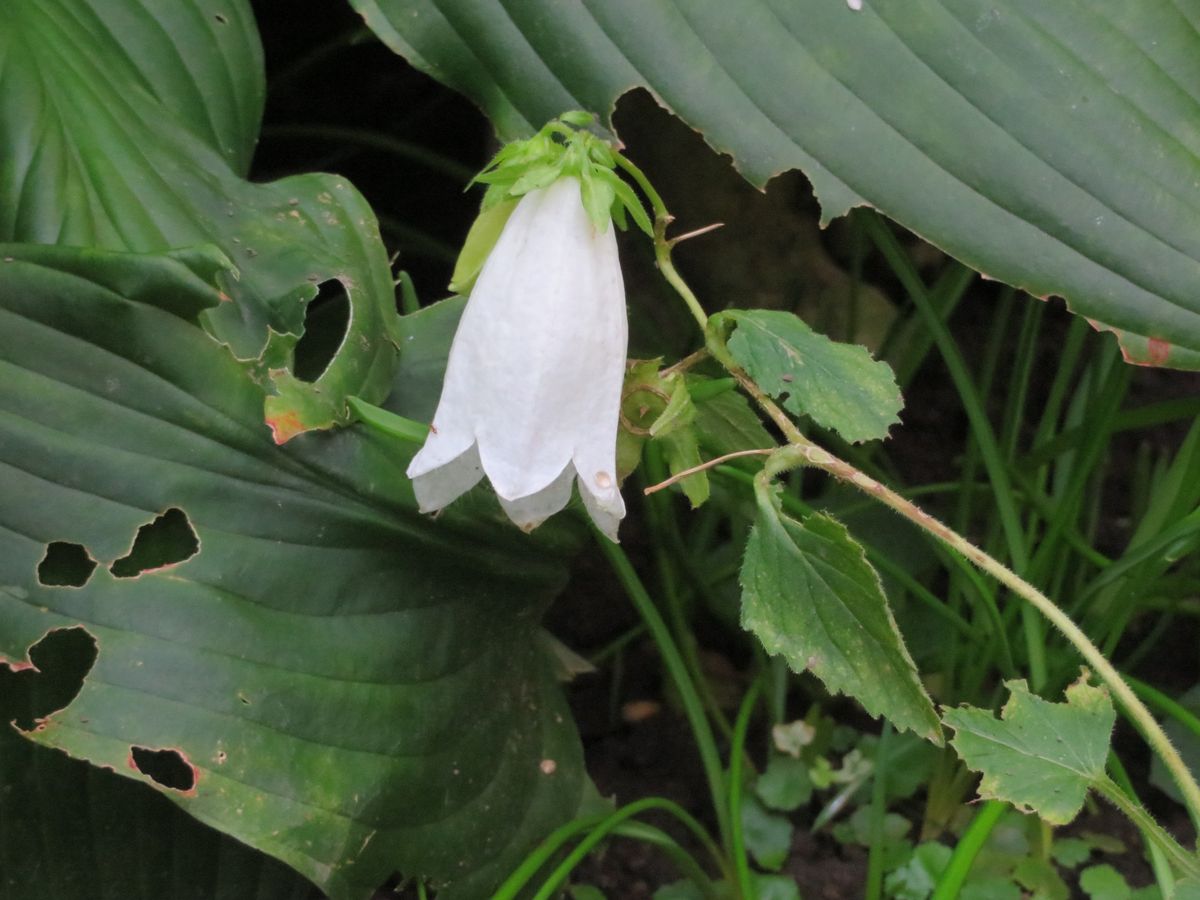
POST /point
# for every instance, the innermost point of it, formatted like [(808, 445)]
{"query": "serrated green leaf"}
[(993, 129), (809, 594), (355, 688), (838, 385), (127, 124), (1039, 756)]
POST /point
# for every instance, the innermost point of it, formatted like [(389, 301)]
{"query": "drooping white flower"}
[(533, 384)]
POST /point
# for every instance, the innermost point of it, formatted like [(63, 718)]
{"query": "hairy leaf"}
[(809, 594), (1049, 145), (1039, 756), (839, 385)]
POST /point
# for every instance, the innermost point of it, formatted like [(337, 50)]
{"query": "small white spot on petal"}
[(603, 480)]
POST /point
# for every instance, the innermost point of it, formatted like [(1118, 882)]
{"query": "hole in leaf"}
[(165, 767), (65, 565), (52, 678), (166, 541), (325, 322)]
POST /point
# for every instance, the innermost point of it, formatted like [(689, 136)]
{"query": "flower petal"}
[(440, 485), (535, 372), (530, 512)]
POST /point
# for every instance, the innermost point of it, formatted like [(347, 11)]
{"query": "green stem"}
[(692, 705), (597, 827), (741, 864), (802, 451), (967, 849), (875, 858), (1187, 863), (1158, 860)]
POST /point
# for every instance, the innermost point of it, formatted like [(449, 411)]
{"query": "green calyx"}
[(563, 147)]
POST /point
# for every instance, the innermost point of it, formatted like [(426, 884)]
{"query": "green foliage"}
[(145, 150), (1039, 756), (1103, 882), (916, 879), (838, 385), (1055, 154), (809, 594), (786, 784), (415, 745), (768, 836)]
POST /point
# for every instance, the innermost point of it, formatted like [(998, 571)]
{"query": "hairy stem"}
[(801, 451)]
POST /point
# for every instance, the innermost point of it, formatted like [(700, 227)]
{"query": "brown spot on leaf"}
[(285, 426)]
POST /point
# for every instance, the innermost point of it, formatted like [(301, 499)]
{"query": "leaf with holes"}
[(1039, 756), (838, 385), (1049, 145), (809, 594), (127, 125), (285, 647), (70, 830)]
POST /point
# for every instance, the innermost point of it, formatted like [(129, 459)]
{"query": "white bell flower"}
[(533, 384)]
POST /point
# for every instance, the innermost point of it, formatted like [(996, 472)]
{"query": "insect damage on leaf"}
[(165, 542), (168, 767)]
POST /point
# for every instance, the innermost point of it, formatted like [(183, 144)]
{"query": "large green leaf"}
[(119, 121), (809, 594), (1050, 145), (341, 682), (72, 831)]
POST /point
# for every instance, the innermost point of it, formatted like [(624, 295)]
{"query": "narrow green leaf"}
[(683, 453), (1039, 756), (839, 385), (809, 594)]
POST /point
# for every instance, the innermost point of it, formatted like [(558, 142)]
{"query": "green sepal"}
[(679, 413), (482, 237), (683, 452)]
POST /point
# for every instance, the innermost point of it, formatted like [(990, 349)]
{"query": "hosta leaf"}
[(119, 122), (1049, 145), (72, 831), (1039, 756), (336, 680), (839, 385), (809, 594)]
